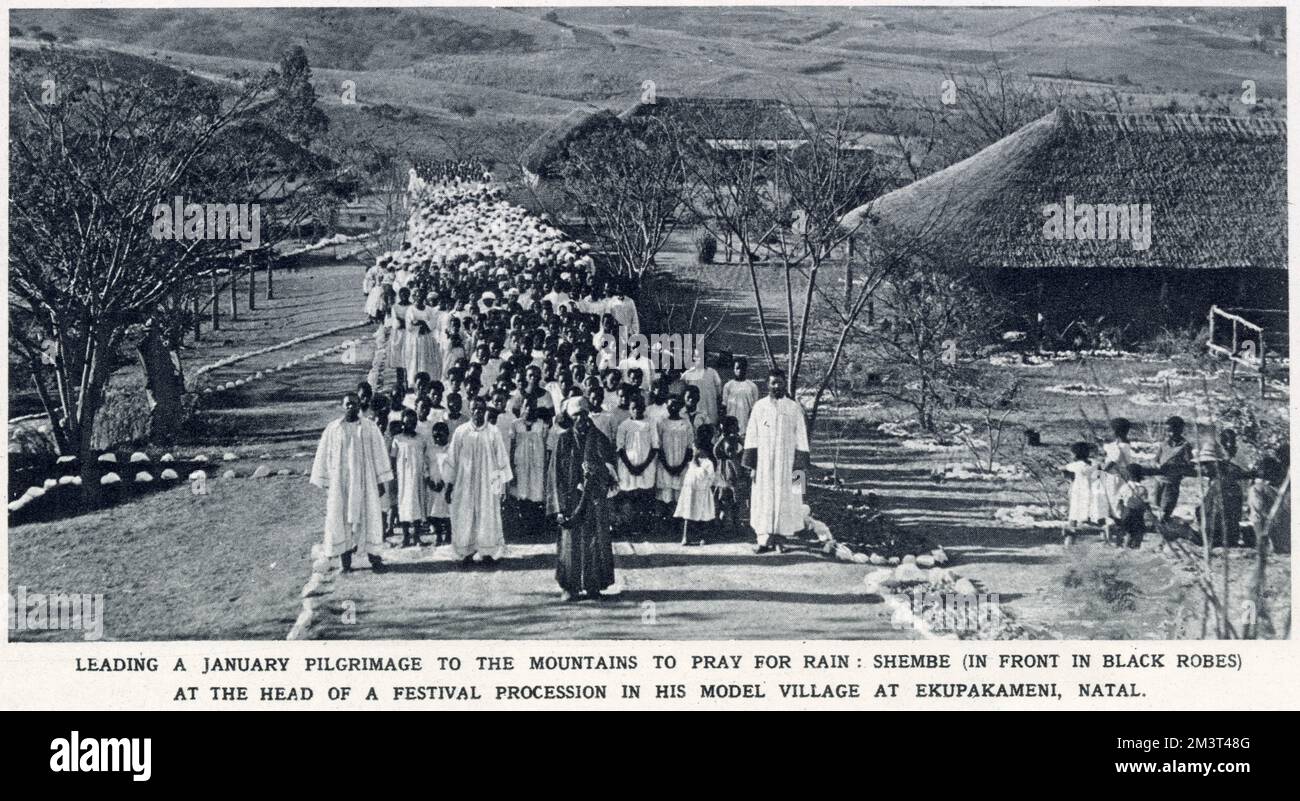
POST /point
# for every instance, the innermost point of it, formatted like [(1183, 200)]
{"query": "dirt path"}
[(664, 591)]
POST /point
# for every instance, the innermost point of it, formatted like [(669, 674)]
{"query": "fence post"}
[(234, 294), (270, 278), (216, 304), (252, 285)]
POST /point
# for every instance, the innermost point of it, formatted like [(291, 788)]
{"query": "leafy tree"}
[(296, 110)]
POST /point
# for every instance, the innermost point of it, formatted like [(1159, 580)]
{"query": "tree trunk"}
[(164, 386), (88, 404)]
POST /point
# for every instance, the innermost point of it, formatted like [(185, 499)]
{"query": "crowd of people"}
[(1108, 490), (502, 408)]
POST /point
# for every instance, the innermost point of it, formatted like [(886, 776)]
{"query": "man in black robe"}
[(584, 477)]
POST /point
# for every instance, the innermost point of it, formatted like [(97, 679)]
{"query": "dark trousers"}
[(1166, 495)]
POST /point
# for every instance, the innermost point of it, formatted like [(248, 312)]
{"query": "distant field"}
[(533, 65)]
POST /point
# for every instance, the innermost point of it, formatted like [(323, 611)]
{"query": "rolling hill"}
[(466, 69)]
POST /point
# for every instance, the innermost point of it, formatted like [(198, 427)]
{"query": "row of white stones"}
[(261, 374)]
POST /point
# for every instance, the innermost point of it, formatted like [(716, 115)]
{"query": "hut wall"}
[(1142, 300)]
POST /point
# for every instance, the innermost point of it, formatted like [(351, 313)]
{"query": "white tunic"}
[(350, 463), (696, 500), (710, 386), (1087, 498), (411, 465), (478, 464), (1119, 454), (738, 398), (675, 438), (636, 438), (530, 461), (776, 430)]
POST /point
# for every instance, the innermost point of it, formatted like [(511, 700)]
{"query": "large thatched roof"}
[(1216, 187), (548, 148), (730, 122), (724, 118)]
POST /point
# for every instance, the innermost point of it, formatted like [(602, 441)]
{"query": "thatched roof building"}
[(1216, 187), (1142, 220), (547, 149)]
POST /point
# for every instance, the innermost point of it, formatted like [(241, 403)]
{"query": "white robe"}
[(480, 467), (738, 398), (412, 462), (707, 380), (530, 461), (637, 438), (624, 311), (776, 430), (351, 461)]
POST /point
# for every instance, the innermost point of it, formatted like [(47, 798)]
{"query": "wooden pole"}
[(234, 294), (216, 304), (198, 319), (252, 286), (270, 279)]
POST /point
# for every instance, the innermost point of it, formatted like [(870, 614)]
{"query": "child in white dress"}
[(439, 511), (695, 503), (1085, 492)]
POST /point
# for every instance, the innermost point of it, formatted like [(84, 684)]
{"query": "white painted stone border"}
[(229, 360)]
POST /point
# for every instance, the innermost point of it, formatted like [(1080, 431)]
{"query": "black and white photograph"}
[(582, 323)]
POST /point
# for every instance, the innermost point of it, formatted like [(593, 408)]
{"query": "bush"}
[(706, 248), (1186, 342), (124, 417)]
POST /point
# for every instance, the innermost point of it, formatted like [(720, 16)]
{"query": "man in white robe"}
[(352, 465), (776, 444), (478, 470)]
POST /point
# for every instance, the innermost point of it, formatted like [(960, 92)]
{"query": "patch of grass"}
[(177, 566)]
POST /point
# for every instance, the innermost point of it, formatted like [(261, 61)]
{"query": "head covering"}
[(1209, 450), (573, 406)]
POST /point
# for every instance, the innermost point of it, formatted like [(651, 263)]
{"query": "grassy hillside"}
[(466, 69)]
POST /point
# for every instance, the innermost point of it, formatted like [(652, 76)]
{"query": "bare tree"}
[(934, 320), (626, 185), (968, 109), (784, 196), (91, 161)]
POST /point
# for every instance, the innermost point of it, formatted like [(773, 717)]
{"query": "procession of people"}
[(503, 408)]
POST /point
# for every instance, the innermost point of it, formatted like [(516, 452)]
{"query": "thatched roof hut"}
[(1216, 187), (726, 119), (549, 148)]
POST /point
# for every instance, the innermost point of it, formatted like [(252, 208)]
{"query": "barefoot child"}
[(439, 512), (410, 466), (1085, 491), (389, 500), (731, 476), (637, 443), (695, 503), (675, 438)]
